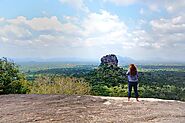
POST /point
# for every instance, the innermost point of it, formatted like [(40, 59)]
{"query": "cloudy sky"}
[(140, 29)]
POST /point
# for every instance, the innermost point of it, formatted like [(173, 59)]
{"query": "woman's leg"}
[(129, 90), (136, 91)]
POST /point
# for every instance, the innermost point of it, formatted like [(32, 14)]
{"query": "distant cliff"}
[(109, 60)]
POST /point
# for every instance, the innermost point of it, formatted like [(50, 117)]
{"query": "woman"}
[(132, 81)]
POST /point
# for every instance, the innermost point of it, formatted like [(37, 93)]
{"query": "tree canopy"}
[(11, 79)]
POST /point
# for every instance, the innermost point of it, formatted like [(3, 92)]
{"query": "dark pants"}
[(130, 85)]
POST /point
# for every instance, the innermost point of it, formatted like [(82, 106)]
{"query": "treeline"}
[(103, 80), (12, 81), (112, 81)]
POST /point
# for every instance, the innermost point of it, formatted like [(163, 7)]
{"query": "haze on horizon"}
[(142, 30)]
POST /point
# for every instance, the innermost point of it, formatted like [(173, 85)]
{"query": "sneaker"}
[(137, 99)]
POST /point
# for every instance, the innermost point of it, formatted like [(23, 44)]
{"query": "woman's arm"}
[(127, 73)]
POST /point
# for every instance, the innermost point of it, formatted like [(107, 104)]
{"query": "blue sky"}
[(143, 30)]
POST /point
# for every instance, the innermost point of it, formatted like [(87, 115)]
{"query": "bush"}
[(59, 85), (11, 79), (102, 90), (119, 91)]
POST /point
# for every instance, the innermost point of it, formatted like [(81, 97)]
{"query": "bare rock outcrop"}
[(109, 60), (88, 109)]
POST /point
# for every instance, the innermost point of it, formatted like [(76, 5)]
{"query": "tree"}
[(105, 77), (11, 79)]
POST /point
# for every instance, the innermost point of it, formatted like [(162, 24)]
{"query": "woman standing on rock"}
[(132, 81)]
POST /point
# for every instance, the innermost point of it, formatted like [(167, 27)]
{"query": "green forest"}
[(156, 81)]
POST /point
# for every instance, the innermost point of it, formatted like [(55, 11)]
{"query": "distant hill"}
[(72, 60), (122, 60), (125, 60)]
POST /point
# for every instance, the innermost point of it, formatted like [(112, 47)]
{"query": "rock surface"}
[(88, 109), (109, 60)]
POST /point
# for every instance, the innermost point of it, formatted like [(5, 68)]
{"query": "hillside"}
[(88, 109)]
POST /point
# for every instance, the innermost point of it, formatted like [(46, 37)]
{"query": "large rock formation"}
[(88, 109), (109, 60)]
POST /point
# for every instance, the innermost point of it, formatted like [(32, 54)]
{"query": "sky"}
[(152, 30)]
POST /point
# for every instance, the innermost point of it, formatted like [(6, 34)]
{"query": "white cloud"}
[(37, 32), (174, 25), (169, 33), (103, 28), (171, 6), (3, 39), (154, 7), (12, 31), (141, 11), (39, 24), (1, 19), (122, 2), (95, 34), (43, 24), (175, 6), (77, 4), (102, 23), (96, 30)]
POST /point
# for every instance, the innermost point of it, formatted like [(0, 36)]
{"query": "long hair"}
[(133, 69)]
